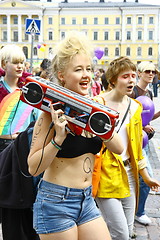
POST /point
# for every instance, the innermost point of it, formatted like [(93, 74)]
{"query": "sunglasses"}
[(150, 71)]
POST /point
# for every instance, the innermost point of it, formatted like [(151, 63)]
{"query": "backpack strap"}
[(125, 115), (22, 147)]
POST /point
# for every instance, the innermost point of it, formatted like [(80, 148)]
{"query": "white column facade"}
[(134, 32), (19, 28), (123, 37), (8, 28), (41, 31), (145, 37)]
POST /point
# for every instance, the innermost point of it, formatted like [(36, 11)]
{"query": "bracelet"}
[(107, 140), (56, 145)]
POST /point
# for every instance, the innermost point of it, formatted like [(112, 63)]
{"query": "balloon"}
[(42, 48), (38, 46), (145, 139), (44, 44), (99, 52), (148, 109)]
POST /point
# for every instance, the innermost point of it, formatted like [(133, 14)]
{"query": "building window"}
[(128, 35), (63, 21), (26, 37), (36, 37), (50, 50), (85, 32), (117, 36), (50, 35), (139, 51), (84, 21), (150, 35), (25, 50), (128, 51), (106, 51), (15, 36), (73, 21), (129, 20), (4, 20), (139, 20), (95, 35), (62, 35), (150, 51), (139, 35), (35, 51), (50, 21), (116, 51), (24, 20), (95, 21), (117, 20), (15, 20), (106, 36), (4, 36), (106, 20), (151, 20)]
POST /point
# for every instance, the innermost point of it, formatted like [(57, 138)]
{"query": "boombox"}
[(79, 111)]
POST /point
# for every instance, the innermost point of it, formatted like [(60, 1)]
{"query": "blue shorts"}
[(58, 208)]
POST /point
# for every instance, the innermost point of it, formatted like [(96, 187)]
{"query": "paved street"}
[(151, 232)]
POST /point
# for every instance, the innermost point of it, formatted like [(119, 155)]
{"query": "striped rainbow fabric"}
[(13, 114)]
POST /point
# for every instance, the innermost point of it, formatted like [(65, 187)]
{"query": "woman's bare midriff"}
[(71, 172)]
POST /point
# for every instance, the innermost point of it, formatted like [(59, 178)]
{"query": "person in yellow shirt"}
[(119, 183)]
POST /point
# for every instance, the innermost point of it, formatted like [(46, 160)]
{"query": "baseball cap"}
[(143, 66)]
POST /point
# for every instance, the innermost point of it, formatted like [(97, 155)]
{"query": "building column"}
[(19, 28), (123, 30), (134, 32), (8, 28), (145, 37), (41, 30)]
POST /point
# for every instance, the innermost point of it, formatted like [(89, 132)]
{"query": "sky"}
[(156, 2)]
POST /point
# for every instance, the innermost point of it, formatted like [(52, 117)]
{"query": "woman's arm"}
[(114, 144), (43, 151)]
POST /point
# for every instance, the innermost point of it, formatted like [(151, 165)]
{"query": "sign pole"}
[(33, 27), (31, 61)]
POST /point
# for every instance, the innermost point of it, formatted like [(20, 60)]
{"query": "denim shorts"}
[(58, 208)]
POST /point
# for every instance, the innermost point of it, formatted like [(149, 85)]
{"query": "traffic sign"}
[(33, 26)]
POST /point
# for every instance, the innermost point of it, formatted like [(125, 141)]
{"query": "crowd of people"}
[(62, 163)]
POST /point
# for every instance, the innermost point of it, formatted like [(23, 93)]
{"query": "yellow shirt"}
[(113, 177)]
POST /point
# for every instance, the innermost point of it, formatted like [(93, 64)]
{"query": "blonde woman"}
[(64, 208)]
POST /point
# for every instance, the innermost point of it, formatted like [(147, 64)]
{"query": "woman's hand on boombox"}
[(60, 122)]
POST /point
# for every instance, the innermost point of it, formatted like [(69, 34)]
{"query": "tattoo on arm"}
[(87, 165), (38, 130)]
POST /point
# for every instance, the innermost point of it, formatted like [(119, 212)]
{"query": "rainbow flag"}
[(13, 114)]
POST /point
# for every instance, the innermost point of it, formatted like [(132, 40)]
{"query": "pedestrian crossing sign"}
[(33, 26)]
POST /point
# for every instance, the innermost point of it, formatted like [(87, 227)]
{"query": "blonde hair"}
[(146, 65), (116, 67), (11, 53), (74, 43)]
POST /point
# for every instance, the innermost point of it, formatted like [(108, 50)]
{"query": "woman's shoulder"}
[(3, 90), (100, 98), (136, 107), (136, 103)]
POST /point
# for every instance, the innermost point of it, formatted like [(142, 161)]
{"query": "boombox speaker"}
[(79, 110)]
